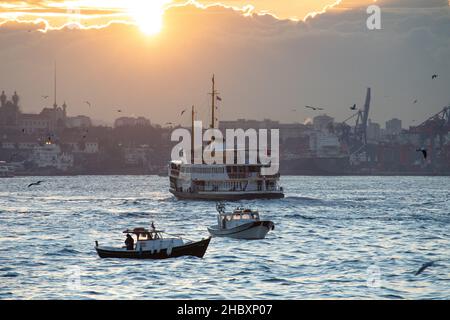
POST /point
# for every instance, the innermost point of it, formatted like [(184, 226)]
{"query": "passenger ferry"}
[(219, 182)]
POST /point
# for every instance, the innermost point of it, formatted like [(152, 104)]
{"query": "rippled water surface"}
[(335, 237)]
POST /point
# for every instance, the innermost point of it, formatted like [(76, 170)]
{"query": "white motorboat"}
[(242, 223)]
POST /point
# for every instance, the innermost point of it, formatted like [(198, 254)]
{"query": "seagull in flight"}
[(353, 107), (182, 112), (434, 76), (424, 266), (313, 108), (415, 101), (45, 97), (424, 152), (119, 111), (88, 103), (35, 184)]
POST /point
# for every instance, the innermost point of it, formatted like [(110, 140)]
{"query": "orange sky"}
[(147, 14)]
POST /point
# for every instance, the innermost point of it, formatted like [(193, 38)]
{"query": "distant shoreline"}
[(378, 174)]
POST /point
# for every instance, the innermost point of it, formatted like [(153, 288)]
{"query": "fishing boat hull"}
[(229, 196), (196, 249), (249, 231)]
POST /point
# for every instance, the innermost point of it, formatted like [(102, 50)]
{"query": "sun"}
[(148, 14)]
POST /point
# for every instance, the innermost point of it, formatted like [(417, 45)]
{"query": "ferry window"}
[(236, 217), (246, 216)]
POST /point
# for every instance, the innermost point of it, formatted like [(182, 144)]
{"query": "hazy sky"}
[(265, 65)]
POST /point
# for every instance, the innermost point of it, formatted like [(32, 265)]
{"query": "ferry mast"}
[(213, 102)]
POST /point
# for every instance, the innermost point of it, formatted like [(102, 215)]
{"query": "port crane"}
[(434, 128), (356, 137)]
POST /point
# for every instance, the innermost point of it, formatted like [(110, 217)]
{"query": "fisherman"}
[(129, 242)]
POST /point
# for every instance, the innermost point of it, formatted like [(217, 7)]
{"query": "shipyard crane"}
[(361, 121), (436, 126), (356, 137)]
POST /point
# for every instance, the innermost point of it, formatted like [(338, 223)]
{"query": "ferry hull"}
[(229, 196)]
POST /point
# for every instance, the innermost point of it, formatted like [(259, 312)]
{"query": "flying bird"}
[(119, 110), (44, 97), (35, 184), (424, 266), (424, 152), (88, 103), (415, 101), (434, 76), (313, 108), (182, 112), (353, 107)]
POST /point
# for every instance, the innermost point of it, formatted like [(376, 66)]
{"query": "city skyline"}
[(124, 118)]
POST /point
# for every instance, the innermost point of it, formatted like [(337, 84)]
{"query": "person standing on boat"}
[(129, 242)]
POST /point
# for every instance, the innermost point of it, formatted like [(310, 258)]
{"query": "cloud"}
[(264, 66), (413, 3)]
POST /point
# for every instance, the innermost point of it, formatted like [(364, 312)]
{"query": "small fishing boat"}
[(150, 244), (240, 224)]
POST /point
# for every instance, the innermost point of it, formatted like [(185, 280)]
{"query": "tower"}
[(64, 106), (3, 99), (15, 99)]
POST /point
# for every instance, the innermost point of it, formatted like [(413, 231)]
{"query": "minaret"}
[(3, 99), (15, 99)]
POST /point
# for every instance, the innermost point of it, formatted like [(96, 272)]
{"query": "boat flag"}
[(219, 98)]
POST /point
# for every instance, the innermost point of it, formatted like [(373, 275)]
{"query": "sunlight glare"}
[(148, 14)]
